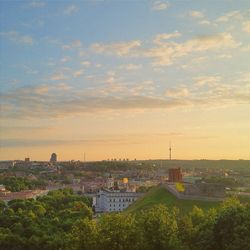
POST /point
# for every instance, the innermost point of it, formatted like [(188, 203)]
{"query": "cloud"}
[(60, 100), (167, 52), (246, 26), (73, 45), (85, 63), (196, 14), (58, 76), (78, 73), (30, 104), (207, 80), (160, 38), (71, 9), (119, 49), (130, 66), (36, 4), (65, 59), (160, 5), (204, 22), (177, 92), (16, 37), (229, 15)]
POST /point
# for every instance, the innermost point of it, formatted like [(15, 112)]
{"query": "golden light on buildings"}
[(125, 180)]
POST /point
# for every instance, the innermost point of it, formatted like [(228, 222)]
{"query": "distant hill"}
[(159, 195)]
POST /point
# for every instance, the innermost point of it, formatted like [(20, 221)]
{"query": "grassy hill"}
[(159, 195)]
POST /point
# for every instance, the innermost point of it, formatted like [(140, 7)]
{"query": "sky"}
[(121, 79)]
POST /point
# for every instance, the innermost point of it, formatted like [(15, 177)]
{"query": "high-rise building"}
[(53, 158)]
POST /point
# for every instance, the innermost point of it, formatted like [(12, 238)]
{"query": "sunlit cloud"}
[(130, 66), (207, 80), (246, 26), (168, 52), (160, 5), (177, 92), (78, 73), (228, 16), (196, 14), (160, 38), (58, 76), (119, 49)]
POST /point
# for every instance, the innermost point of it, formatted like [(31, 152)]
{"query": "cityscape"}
[(124, 125)]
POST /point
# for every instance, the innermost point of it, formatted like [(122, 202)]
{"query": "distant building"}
[(110, 182), (114, 200), (27, 159), (174, 175), (53, 158)]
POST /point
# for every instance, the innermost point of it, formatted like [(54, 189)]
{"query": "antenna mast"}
[(170, 150)]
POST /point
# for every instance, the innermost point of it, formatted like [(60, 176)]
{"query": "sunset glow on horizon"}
[(121, 79)]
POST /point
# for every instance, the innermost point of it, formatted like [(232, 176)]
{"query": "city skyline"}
[(121, 79)]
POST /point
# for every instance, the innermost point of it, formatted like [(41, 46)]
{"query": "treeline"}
[(16, 184), (44, 223), (62, 220), (159, 228)]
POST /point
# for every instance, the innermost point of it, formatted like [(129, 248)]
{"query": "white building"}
[(114, 200)]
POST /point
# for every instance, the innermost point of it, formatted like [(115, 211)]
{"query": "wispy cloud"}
[(73, 45), (207, 80), (167, 52), (119, 49), (62, 100), (160, 5), (160, 38), (78, 73), (71, 9), (16, 37), (246, 26), (196, 14), (36, 4), (59, 76), (228, 16), (65, 59), (130, 66), (177, 92)]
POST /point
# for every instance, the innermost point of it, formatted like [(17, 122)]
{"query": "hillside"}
[(159, 195)]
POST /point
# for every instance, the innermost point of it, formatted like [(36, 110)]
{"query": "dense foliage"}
[(16, 184), (44, 223), (62, 220)]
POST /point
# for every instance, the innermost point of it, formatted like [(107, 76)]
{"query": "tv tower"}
[(170, 149)]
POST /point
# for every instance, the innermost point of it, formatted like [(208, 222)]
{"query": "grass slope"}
[(159, 195)]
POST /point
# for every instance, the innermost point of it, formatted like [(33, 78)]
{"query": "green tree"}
[(159, 229), (232, 226), (85, 235), (118, 232)]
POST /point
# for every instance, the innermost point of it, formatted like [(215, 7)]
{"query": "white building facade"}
[(114, 200)]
